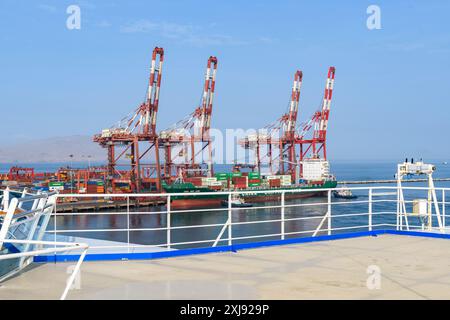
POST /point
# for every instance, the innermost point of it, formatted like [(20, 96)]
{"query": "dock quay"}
[(101, 205)]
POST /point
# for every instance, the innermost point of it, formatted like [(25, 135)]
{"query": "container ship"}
[(316, 175)]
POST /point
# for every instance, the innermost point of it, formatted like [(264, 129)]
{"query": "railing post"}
[(443, 209), (230, 221), (329, 212), (54, 223), (370, 209), (282, 215), (168, 222), (397, 224), (128, 223), (5, 200)]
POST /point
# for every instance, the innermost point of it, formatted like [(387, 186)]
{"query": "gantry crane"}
[(181, 140), (315, 146), (281, 134), (287, 135), (136, 133)]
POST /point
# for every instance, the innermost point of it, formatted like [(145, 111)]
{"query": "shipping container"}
[(254, 175), (275, 183), (221, 174), (236, 174), (254, 184), (315, 169)]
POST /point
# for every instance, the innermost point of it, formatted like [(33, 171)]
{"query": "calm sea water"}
[(312, 207)]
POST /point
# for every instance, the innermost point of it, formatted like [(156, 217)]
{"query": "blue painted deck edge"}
[(418, 234), (232, 248), (186, 252)]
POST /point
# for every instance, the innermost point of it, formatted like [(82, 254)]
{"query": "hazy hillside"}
[(56, 149)]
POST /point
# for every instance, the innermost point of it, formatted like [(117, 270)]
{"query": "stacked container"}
[(56, 185), (196, 181), (95, 187), (254, 179), (286, 180), (274, 183), (240, 182), (221, 176)]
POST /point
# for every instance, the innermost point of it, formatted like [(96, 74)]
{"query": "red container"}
[(274, 183), (254, 181), (196, 181)]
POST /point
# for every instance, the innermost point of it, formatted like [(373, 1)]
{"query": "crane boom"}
[(208, 96), (154, 85), (325, 112), (293, 109)]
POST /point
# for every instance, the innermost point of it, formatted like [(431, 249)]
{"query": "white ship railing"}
[(375, 208), (26, 227)]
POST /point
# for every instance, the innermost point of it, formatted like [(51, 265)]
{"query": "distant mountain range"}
[(55, 149)]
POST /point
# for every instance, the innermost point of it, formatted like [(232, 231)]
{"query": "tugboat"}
[(344, 193), (236, 202)]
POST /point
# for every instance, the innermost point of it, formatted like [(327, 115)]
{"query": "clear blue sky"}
[(392, 85)]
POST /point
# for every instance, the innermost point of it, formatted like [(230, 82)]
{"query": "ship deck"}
[(411, 268)]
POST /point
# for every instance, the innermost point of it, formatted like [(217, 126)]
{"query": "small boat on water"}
[(344, 193), (236, 202)]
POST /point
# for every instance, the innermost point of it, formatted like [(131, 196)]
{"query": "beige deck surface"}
[(411, 268)]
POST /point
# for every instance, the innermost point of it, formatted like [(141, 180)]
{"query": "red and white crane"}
[(187, 134), (134, 133), (286, 134), (281, 134), (315, 146)]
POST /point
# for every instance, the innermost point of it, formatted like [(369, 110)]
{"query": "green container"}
[(254, 175), (56, 184), (236, 174), (254, 184), (221, 174), (222, 178)]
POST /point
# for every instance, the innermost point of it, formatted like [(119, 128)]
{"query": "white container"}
[(56, 188), (315, 169)]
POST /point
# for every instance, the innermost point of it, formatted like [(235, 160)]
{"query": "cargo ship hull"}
[(187, 204), (199, 201), (287, 196)]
